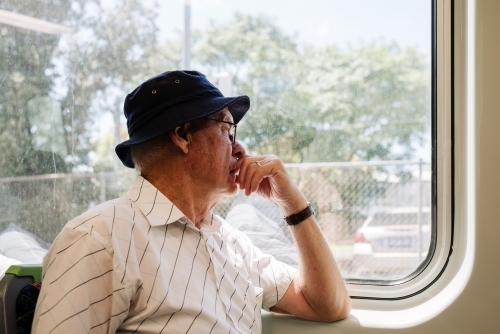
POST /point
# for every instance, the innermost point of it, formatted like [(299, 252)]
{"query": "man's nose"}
[(238, 150)]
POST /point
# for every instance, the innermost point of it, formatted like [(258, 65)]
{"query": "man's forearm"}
[(318, 291), (320, 280)]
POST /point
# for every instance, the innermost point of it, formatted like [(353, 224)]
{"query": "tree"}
[(54, 90), (25, 58), (321, 104), (264, 63), (308, 103), (103, 60), (72, 79), (372, 102)]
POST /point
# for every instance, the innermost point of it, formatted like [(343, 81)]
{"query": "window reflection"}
[(349, 114)]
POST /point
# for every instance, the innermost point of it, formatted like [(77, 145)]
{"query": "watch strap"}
[(300, 216)]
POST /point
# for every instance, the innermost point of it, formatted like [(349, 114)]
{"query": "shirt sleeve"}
[(81, 293), (273, 276)]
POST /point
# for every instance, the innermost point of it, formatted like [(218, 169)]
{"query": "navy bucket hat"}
[(171, 99)]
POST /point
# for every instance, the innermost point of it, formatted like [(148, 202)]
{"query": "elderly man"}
[(158, 260)]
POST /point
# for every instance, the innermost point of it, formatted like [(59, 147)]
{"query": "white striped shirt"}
[(137, 264)]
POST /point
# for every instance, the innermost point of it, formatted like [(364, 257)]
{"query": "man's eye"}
[(231, 137)]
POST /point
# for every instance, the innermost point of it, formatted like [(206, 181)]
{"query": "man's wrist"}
[(290, 207), (300, 216)]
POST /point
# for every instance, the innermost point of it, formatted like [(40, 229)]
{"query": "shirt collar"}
[(159, 210)]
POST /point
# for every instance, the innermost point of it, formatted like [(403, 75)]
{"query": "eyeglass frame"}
[(232, 137)]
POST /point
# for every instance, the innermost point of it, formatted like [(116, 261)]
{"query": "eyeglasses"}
[(232, 129)]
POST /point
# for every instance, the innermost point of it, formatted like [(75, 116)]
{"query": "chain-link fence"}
[(345, 196), (42, 204)]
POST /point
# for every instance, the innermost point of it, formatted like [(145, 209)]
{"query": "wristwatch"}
[(300, 216)]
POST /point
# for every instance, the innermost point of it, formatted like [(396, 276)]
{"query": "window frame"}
[(442, 189)]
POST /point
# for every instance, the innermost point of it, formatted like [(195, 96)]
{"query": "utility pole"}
[(186, 59)]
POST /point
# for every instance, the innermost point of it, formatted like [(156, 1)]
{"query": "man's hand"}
[(266, 175)]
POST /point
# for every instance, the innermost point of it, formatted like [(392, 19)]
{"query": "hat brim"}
[(181, 114)]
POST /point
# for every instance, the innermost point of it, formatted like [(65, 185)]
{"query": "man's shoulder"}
[(105, 229), (104, 215)]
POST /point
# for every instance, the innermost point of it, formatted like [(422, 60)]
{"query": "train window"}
[(341, 91)]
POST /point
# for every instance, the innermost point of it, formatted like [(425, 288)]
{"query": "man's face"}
[(215, 160)]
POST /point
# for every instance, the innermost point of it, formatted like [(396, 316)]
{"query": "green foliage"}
[(43, 206), (370, 101), (263, 62), (53, 88), (321, 104), (103, 59), (249, 46), (25, 58), (309, 104)]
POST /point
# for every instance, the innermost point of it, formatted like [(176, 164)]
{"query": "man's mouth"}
[(235, 173), (236, 170)]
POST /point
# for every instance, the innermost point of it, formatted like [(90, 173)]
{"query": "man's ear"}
[(181, 137)]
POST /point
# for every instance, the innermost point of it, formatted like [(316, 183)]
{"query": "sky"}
[(317, 22)]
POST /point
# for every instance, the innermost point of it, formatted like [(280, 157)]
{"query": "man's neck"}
[(194, 201)]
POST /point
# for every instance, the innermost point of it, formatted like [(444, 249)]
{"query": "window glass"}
[(340, 91), (400, 218)]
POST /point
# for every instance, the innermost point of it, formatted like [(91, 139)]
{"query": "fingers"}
[(252, 171), (246, 174), (266, 175)]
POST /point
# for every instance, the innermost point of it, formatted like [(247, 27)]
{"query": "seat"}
[(16, 278)]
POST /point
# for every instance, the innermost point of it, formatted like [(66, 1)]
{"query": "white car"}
[(387, 245)]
